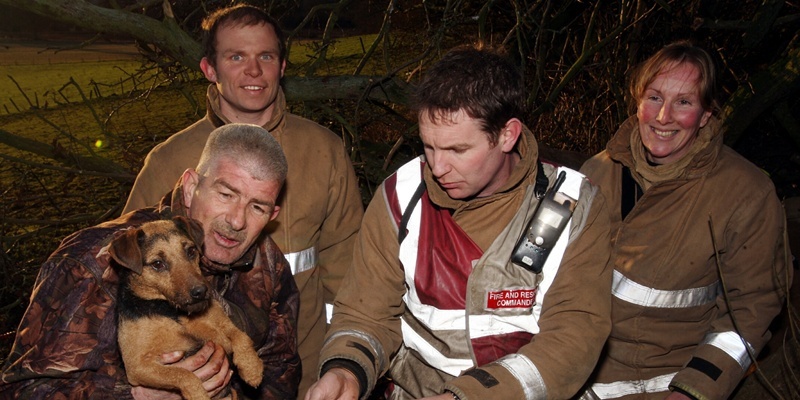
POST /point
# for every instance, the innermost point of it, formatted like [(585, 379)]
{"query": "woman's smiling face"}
[(670, 113)]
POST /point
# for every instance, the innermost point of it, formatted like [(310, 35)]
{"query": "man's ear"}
[(275, 211), (210, 72), (510, 134), (189, 183), (283, 67)]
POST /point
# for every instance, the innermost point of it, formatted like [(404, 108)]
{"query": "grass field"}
[(47, 85), (34, 75)]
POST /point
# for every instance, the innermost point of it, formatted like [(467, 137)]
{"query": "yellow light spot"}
[(98, 143)]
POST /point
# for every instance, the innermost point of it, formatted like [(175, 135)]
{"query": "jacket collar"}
[(214, 114), (524, 173), (172, 205), (698, 162)]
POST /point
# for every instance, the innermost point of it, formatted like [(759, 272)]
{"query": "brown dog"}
[(165, 305)]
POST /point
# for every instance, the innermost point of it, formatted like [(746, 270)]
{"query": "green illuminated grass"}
[(46, 85)]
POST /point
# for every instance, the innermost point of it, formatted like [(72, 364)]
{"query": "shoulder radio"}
[(544, 228)]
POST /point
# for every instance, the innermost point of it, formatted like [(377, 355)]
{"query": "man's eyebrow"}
[(226, 185), (222, 182), (454, 146), (264, 203), (238, 50)]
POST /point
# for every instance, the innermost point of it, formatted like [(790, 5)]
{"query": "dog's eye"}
[(191, 252), (158, 265)]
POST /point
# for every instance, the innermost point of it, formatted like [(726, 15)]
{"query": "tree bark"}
[(346, 87), (169, 37), (166, 34), (66, 158)]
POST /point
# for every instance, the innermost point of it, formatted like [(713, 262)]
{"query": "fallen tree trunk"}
[(345, 87), (166, 34), (77, 163)]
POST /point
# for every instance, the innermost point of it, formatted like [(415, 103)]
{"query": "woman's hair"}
[(670, 56)]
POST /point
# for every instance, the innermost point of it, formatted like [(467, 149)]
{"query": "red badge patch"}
[(511, 298)]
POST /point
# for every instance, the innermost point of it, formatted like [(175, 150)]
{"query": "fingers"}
[(193, 362), (216, 373), (171, 358), (143, 393), (210, 364), (336, 384)]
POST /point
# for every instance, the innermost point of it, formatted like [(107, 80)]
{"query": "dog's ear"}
[(192, 227), (125, 250)]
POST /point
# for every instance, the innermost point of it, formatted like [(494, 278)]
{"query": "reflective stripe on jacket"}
[(506, 300), (321, 207), (575, 317), (671, 316)]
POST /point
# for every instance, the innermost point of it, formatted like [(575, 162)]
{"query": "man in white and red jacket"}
[(433, 297)]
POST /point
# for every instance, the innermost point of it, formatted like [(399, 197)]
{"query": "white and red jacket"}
[(461, 295), (447, 310)]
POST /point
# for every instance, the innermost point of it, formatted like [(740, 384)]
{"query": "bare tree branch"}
[(166, 34)]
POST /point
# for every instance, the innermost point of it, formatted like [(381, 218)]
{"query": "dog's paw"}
[(194, 392), (250, 367)]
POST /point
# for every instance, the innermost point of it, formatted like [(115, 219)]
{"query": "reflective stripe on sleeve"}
[(432, 356), (328, 312), (525, 371), (623, 388), (627, 290), (371, 341), (732, 344), (302, 260)]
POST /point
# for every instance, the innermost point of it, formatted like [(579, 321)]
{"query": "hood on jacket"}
[(699, 161), (217, 119)]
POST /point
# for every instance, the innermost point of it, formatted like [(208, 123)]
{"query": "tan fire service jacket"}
[(672, 325), (573, 324), (320, 212)]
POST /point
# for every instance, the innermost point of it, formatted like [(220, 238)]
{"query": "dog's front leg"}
[(142, 342), (158, 376), (217, 327)]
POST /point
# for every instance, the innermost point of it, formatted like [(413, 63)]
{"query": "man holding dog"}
[(66, 344), (245, 57), (452, 311)]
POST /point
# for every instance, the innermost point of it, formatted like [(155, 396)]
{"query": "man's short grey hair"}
[(250, 146)]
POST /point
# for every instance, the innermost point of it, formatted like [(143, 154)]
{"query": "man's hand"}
[(210, 364), (446, 396), (336, 384), (677, 396)]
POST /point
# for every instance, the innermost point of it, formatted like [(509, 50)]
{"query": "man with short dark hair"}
[(66, 344), (245, 57), (455, 309)]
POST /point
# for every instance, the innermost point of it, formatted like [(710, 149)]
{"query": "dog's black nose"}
[(199, 292)]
